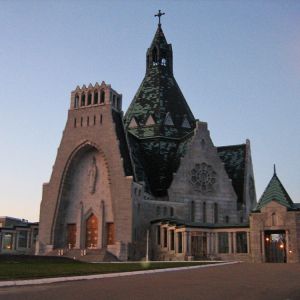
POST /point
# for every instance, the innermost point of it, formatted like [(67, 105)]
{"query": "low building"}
[(17, 236)]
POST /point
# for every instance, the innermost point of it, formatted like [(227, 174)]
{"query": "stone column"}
[(28, 239), (184, 242), (216, 243), (248, 243), (263, 245), (208, 243), (229, 242), (101, 234), (234, 241)]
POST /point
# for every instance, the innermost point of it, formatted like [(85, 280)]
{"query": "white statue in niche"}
[(92, 174)]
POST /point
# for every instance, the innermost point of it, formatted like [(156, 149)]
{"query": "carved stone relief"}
[(92, 174)]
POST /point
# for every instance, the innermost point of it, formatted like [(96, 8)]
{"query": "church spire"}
[(160, 54)]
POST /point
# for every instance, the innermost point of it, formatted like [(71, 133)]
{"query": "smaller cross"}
[(159, 16)]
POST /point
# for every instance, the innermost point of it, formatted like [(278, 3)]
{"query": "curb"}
[(100, 276)]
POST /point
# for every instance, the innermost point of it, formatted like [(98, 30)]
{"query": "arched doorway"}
[(275, 246), (91, 237)]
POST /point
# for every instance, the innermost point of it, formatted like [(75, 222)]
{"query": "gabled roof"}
[(234, 159), (275, 192)]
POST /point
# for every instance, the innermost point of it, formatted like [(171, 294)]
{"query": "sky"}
[(236, 62)]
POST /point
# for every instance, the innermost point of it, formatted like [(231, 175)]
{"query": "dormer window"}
[(185, 123), (133, 123), (168, 120), (150, 121)]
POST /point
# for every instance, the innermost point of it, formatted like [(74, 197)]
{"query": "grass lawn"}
[(28, 267)]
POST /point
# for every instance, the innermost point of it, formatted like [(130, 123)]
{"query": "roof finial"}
[(159, 16), (274, 169)]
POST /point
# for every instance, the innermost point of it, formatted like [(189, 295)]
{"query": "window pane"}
[(223, 242), (241, 242)]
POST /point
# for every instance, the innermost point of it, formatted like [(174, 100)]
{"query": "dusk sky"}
[(236, 62)]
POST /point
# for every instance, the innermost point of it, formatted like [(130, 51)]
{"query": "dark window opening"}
[(75, 123), (94, 120), (193, 211), (154, 56), (83, 100), (216, 213), (172, 237), (89, 99), (102, 97), (101, 119), (158, 235), (96, 98), (171, 211), (241, 242), (223, 242), (179, 236), (81, 121), (165, 237), (165, 211), (226, 219), (204, 212), (88, 121)]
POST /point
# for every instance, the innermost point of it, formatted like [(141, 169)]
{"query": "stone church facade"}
[(155, 172)]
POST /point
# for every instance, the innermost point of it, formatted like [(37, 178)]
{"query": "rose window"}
[(202, 177)]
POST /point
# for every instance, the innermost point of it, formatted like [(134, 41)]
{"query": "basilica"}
[(151, 184)]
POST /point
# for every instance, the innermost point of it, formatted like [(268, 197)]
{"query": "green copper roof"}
[(159, 97), (275, 191), (158, 121)]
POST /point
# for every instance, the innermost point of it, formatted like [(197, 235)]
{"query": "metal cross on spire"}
[(159, 16)]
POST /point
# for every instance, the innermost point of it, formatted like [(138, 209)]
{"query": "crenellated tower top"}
[(83, 97)]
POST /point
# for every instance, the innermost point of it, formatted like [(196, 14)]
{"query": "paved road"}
[(240, 281)]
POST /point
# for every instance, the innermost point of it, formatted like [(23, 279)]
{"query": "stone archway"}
[(91, 236)]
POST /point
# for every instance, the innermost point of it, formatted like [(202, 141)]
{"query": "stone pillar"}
[(216, 243), (248, 243), (188, 243), (263, 246), (184, 242), (101, 233), (234, 242), (208, 243), (229, 242), (28, 239)]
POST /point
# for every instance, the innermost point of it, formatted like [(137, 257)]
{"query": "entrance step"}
[(92, 255)]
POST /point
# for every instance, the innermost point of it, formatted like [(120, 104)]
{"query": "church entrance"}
[(199, 245), (71, 235), (275, 246), (91, 240)]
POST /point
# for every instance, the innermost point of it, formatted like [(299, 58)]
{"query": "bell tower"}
[(159, 54)]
